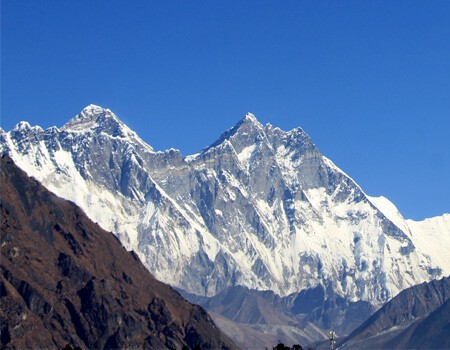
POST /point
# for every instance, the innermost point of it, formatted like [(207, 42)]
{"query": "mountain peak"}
[(24, 126), (93, 109), (250, 117), (246, 126), (98, 119), (91, 115)]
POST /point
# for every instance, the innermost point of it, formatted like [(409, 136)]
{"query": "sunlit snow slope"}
[(260, 207)]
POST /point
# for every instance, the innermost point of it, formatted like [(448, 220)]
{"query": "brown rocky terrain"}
[(64, 280)]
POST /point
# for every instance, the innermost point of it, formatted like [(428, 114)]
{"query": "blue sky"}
[(369, 81)]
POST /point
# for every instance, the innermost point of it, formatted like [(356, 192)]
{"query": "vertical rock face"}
[(260, 207), (64, 280)]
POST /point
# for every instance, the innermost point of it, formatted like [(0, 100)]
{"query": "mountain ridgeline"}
[(65, 281), (417, 318), (260, 208)]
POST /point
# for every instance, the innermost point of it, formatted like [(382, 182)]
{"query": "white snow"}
[(251, 117), (245, 155), (390, 211), (432, 237), (191, 157)]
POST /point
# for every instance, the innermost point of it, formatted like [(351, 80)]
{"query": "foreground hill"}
[(417, 318), (64, 280)]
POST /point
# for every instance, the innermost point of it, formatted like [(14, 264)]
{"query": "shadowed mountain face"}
[(246, 306), (64, 280), (256, 319), (304, 317), (417, 318)]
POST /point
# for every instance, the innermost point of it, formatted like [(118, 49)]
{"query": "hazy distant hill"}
[(417, 318)]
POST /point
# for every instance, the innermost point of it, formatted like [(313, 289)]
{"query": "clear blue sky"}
[(369, 81)]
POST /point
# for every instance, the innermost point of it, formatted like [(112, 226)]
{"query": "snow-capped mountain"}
[(260, 207)]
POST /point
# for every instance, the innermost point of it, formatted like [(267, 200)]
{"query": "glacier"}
[(260, 207)]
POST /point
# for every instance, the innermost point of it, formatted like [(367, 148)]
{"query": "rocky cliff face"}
[(64, 280), (260, 207)]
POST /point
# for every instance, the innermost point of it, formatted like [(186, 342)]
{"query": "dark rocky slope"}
[(417, 318), (64, 280)]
